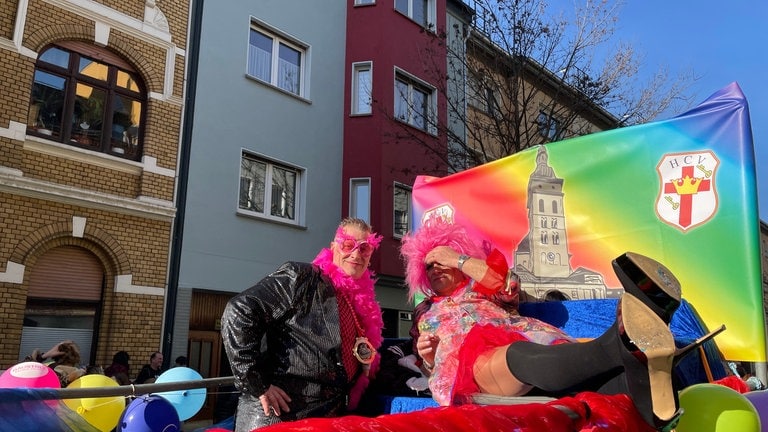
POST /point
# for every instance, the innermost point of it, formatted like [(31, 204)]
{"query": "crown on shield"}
[(687, 185)]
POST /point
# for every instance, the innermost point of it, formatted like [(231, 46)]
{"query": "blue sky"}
[(721, 42)]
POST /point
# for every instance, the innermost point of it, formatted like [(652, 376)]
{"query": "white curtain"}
[(364, 90), (260, 63), (288, 76)]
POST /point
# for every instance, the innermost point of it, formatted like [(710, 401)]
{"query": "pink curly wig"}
[(434, 232)]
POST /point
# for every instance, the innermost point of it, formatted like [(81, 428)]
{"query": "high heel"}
[(649, 281), (647, 354), (653, 284), (683, 352)]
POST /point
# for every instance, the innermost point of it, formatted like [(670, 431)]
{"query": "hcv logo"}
[(687, 195)]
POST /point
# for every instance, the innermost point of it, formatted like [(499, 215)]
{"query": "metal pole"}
[(124, 390), (761, 372)]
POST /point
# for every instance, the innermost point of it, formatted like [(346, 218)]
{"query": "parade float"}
[(682, 191)]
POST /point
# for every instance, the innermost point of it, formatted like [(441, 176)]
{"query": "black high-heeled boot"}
[(649, 281), (656, 286), (635, 354)]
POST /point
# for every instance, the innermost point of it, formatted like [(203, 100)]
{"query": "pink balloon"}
[(29, 375)]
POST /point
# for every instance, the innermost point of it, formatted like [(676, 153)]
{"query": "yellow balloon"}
[(103, 413), (716, 408)]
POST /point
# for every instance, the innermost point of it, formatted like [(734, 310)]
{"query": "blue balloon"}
[(149, 414), (186, 402)]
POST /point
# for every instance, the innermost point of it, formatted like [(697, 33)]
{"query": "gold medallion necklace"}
[(363, 349)]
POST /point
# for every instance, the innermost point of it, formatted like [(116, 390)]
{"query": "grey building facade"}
[(264, 154)]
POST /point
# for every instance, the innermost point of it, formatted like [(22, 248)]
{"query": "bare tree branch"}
[(521, 76)]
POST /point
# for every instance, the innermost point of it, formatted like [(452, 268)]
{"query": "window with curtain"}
[(360, 198), (98, 105), (268, 189), (421, 11), (402, 209), (415, 102), (276, 60), (362, 88)]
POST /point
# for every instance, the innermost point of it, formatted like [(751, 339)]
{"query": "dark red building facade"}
[(395, 70)]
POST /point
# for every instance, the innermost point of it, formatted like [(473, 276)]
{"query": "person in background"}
[(149, 372), (94, 369), (181, 361), (469, 343), (321, 326), (119, 370), (35, 356), (753, 383), (65, 357)]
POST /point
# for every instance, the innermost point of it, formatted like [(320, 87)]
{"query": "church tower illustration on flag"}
[(542, 258)]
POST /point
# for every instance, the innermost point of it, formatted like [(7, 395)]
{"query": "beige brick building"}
[(90, 126)]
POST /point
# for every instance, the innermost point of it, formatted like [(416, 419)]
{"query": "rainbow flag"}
[(681, 191)]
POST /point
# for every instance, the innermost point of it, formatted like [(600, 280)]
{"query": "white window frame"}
[(409, 5), (413, 84), (362, 104), (360, 198), (279, 39), (399, 233), (299, 195)]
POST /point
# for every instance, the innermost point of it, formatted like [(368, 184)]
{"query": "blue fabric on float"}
[(590, 318), (24, 410)]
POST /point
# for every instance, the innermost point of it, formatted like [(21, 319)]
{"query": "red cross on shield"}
[(687, 194)]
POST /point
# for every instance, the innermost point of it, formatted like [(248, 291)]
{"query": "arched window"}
[(554, 207), (88, 97)]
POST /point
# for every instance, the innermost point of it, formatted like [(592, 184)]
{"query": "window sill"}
[(405, 123), (430, 27), (278, 89), (274, 220), (53, 148)]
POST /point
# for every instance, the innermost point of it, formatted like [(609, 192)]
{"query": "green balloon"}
[(716, 408)]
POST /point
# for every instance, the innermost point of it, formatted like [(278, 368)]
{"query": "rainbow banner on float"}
[(682, 191)]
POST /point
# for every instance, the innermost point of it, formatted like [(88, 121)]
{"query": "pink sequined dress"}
[(469, 323)]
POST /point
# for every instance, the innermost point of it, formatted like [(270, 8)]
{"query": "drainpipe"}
[(193, 55)]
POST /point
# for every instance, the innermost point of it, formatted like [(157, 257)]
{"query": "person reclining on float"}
[(470, 338)]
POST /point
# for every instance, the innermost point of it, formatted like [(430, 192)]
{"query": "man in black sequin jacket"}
[(299, 341)]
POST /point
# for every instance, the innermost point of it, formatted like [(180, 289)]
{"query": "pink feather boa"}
[(362, 296)]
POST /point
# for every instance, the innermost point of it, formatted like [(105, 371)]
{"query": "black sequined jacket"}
[(285, 331)]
